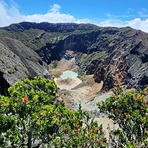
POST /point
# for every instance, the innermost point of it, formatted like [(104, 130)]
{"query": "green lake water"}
[(69, 74)]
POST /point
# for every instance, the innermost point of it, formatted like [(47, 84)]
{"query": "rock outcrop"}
[(127, 63)]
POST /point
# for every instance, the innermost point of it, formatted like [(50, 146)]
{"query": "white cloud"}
[(50, 17), (143, 13), (55, 8), (130, 10), (112, 23), (136, 23), (11, 14)]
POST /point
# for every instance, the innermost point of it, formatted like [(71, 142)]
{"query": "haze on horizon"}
[(102, 13)]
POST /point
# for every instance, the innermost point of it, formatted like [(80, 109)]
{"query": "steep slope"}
[(49, 40), (17, 62), (126, 61), (113, 55)]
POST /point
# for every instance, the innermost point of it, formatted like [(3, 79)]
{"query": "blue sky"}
[(117, 13)]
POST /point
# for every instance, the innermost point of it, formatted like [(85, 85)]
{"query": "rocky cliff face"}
[(17, 62), (114, 55), (127, 61)]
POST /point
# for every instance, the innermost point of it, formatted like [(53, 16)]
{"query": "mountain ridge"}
[(125, 50), (50, 27)]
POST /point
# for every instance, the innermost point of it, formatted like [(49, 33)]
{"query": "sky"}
[(114, 13)]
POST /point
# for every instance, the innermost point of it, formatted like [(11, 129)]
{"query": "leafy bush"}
[(32, 117), (130, 111)]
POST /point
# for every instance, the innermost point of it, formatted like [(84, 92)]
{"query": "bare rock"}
[(18, 62)]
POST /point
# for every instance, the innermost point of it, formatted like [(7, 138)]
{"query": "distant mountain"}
[(114, 55)]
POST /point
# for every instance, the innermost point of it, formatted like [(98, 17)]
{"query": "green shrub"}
[(130, 111), (32, 117)]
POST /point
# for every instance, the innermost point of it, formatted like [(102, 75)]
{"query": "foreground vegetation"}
[(33, 117), (129, 110)]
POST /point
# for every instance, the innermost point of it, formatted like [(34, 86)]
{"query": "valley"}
[(112, 55), (101, 56), (86, 62)]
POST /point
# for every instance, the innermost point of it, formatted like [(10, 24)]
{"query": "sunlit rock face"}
[(17, 62)]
